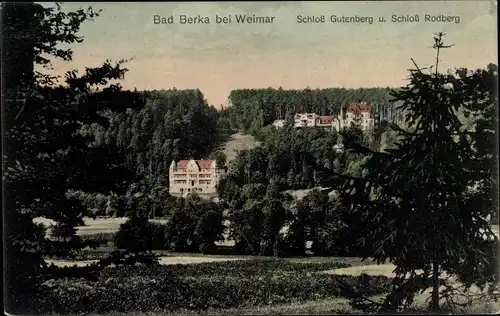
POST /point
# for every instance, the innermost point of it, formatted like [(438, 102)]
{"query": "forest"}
[(252, 109)]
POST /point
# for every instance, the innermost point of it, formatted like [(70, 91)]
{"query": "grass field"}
[(163, 260), (318, 306), (238, 285), (277, 270), (332, 306), (95, 226)]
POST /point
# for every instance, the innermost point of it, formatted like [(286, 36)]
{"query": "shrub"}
[(139, 234), (101, 239)]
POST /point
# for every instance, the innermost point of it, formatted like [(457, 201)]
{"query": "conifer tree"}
[(414, 206)]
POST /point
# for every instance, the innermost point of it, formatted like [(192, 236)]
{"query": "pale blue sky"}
[(218, 58)]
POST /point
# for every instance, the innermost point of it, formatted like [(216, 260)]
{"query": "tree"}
[(46, 155), (289, 120), (183, 223), (220, 158), (317, 203), (414, 206), (275, 217), (482, 129), (209, 229), (112, 205), (139, 235)]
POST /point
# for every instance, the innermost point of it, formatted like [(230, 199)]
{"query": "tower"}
[(341, 118), (376, 116)]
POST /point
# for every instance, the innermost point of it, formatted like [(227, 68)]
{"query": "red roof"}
[(203, 164), (326, 119), (359, 107)]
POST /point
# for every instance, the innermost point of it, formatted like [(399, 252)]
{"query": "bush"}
[(281, 247), (101, 239), (139, 234)]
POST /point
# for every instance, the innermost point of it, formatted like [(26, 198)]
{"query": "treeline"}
[(261, 221), (194, 225), (253, 108)]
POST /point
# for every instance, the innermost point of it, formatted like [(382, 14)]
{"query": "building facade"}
[(360, 113), (326, 121), (200, 176), (279, 123), (305, 120)]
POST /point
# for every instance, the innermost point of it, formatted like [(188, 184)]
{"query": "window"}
[(192, 183)]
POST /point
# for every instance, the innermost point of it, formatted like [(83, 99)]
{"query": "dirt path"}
[(163, 261), (238, 142), (480, 305), (372, 269)]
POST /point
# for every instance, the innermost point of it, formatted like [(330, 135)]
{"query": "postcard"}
[(305, 157)]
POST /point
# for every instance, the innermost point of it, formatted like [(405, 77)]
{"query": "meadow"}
[(190, 284)]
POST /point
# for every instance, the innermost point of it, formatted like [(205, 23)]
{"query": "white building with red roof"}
[(359, 113), (328, 122), (200, 176)]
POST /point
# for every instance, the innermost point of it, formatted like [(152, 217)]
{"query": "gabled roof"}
[(359, 107), (325, 119), (202, 164)]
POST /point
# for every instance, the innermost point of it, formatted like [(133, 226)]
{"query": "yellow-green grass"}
[(316, 307)]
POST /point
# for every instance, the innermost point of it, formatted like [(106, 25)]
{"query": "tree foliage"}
[(414, 206), (45, 155)]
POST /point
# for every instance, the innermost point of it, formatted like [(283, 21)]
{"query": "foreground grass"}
[(330, 306), (293, 286), (247, 286), (351, 261)]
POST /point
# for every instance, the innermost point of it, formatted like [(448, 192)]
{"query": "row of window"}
[(199, 170), (193, 190), (193, 182), (192, 176), (183, 172)]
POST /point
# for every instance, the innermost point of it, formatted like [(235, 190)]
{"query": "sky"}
[(218, 58)]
